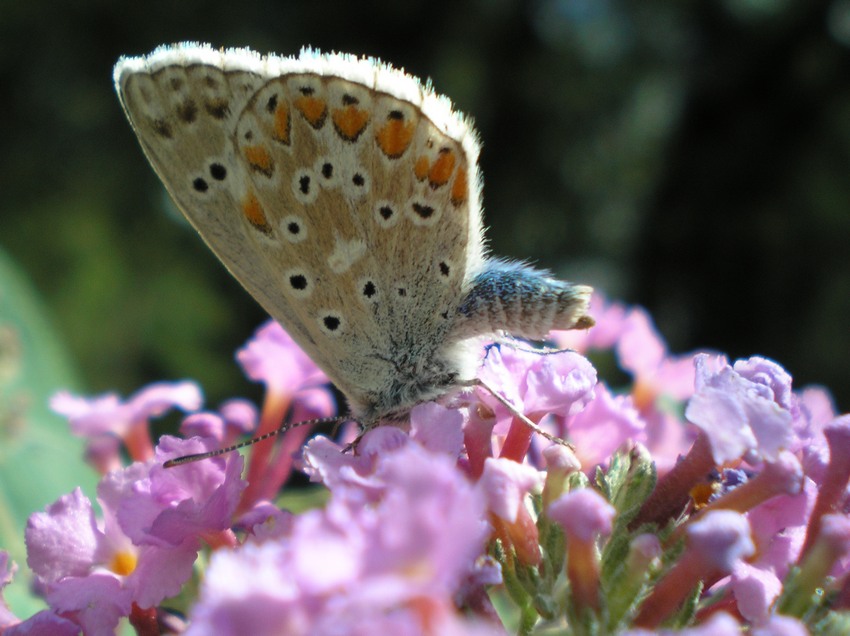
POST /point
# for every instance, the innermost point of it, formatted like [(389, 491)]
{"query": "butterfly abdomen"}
[(523, 301)]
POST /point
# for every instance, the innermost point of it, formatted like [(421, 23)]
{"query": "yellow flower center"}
[(123, 563)]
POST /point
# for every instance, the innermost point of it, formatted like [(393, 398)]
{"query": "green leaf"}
[(298, 500), (686, 613), (39, 458), (635, 480)]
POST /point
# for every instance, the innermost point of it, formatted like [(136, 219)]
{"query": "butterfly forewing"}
[(344, 200)]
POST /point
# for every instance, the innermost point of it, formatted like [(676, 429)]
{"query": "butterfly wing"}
[(340, 192)]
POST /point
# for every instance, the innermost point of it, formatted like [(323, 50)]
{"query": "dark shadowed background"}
[(692, 157)]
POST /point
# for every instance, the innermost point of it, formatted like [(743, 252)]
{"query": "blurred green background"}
[(689, 156)]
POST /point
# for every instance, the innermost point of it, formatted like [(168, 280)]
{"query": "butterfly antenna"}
[(186, 459), (516, 413)]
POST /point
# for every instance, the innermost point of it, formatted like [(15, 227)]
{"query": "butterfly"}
[(344, 195)]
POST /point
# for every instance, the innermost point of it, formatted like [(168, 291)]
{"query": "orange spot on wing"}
[(441, 169), (253, 211), (258, 158), (281, 123), (314, 110), (420, 168), (394, 138), (460, 188), (350, 121)]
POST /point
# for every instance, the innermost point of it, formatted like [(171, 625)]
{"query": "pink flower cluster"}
[(703, 497)]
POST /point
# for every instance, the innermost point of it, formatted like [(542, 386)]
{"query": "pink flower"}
[(437, 428), (778, 528), (755, 590), (167, 506), (144, 548), (272, 357), (293, 383), (781, 626), (394, 564), (741, 410), (433, 427), (608, 423), (537, 383), (585, 516), (506, 484), (814, 411), (235, 418), (715, 545), (659, 380), (719, 624), (44, 623), (72, 558), (108, 416), (410, 543)]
